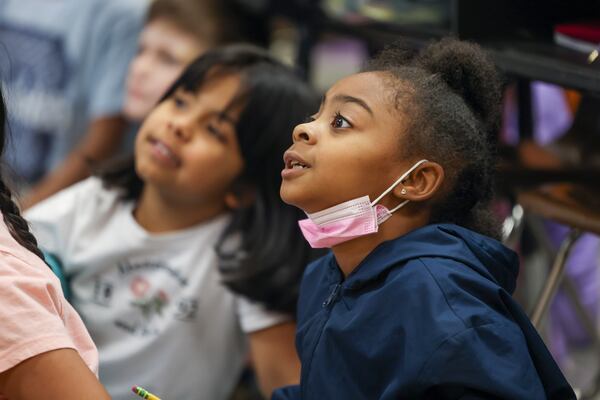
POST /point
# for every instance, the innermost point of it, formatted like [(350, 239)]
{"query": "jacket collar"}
[(485, 255)]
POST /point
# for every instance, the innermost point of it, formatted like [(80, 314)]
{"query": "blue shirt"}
[(62, 65), (428, 315)]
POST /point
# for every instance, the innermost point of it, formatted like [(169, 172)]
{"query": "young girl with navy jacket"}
[(395, 174)]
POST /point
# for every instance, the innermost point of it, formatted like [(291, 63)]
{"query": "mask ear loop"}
[(400, 180), (399, 206)]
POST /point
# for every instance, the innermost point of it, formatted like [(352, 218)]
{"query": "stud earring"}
[(403, 191)]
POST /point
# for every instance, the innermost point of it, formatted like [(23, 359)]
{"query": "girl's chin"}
[(290, 196), (149, 173)]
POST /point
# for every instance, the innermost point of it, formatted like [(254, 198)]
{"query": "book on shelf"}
[(583, 36)]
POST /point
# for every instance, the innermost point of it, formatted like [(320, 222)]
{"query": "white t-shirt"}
[(154, 304)]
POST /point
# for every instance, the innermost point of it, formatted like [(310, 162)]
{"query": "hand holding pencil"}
[(144, 394)]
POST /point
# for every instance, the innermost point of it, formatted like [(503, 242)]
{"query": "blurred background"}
[(80, 75)]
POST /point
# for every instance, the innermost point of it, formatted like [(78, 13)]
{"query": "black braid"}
[(17, 226)]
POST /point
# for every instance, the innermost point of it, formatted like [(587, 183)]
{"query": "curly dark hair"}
[(452, 92), (17, 226)]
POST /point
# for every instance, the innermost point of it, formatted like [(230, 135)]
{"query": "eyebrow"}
[(223, 115), (344, 98)]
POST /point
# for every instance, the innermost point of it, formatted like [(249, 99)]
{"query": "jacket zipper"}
[(330, 300), (333, 295)]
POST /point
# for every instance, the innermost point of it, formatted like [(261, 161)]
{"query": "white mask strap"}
[(402, 178), (399, 206)]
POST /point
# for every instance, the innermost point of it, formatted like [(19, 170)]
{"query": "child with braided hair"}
[(43, 342)]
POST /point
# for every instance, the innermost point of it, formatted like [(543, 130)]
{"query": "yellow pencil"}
[(144, 394)]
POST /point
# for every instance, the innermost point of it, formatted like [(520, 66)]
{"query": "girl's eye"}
[(179, 101), (340, 122), (168, 58), (214, 131)]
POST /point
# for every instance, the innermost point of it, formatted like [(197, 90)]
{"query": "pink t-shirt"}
[(34, 315)]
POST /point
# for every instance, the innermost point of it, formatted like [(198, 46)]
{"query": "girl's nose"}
[(180, 129), (304, 133)]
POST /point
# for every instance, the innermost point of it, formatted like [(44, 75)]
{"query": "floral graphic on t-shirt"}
[(139, 286), (154, 293), (149, 305)]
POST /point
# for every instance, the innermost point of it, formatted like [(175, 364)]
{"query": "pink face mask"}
[(351, 219)]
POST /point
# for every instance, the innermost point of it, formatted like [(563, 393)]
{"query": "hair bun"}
[(469, 72)]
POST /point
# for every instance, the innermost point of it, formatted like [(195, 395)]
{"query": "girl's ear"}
[(422, 184), (240, 197)]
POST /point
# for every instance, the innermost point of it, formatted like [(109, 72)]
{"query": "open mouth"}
[(296, 165), (164, 151), (293, 161)]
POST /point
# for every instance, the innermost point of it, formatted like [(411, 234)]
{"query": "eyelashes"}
[(179, 103), (180, 100), (338, 121)]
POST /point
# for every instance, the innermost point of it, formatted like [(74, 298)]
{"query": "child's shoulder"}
[(94, 191), (20, 267), (452, 288), (446, 265), (88, 199), (90, 192)]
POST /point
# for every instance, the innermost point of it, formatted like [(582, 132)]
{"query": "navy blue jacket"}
[(426, 316)]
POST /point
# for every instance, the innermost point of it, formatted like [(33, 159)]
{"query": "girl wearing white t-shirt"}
[(169, 255), (45, 350)]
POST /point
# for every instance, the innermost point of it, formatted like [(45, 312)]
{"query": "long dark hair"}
[(262, 254), (17, 226), (451, 91)]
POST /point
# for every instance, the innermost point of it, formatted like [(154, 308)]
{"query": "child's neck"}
[(157, 213), (350, 254)]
